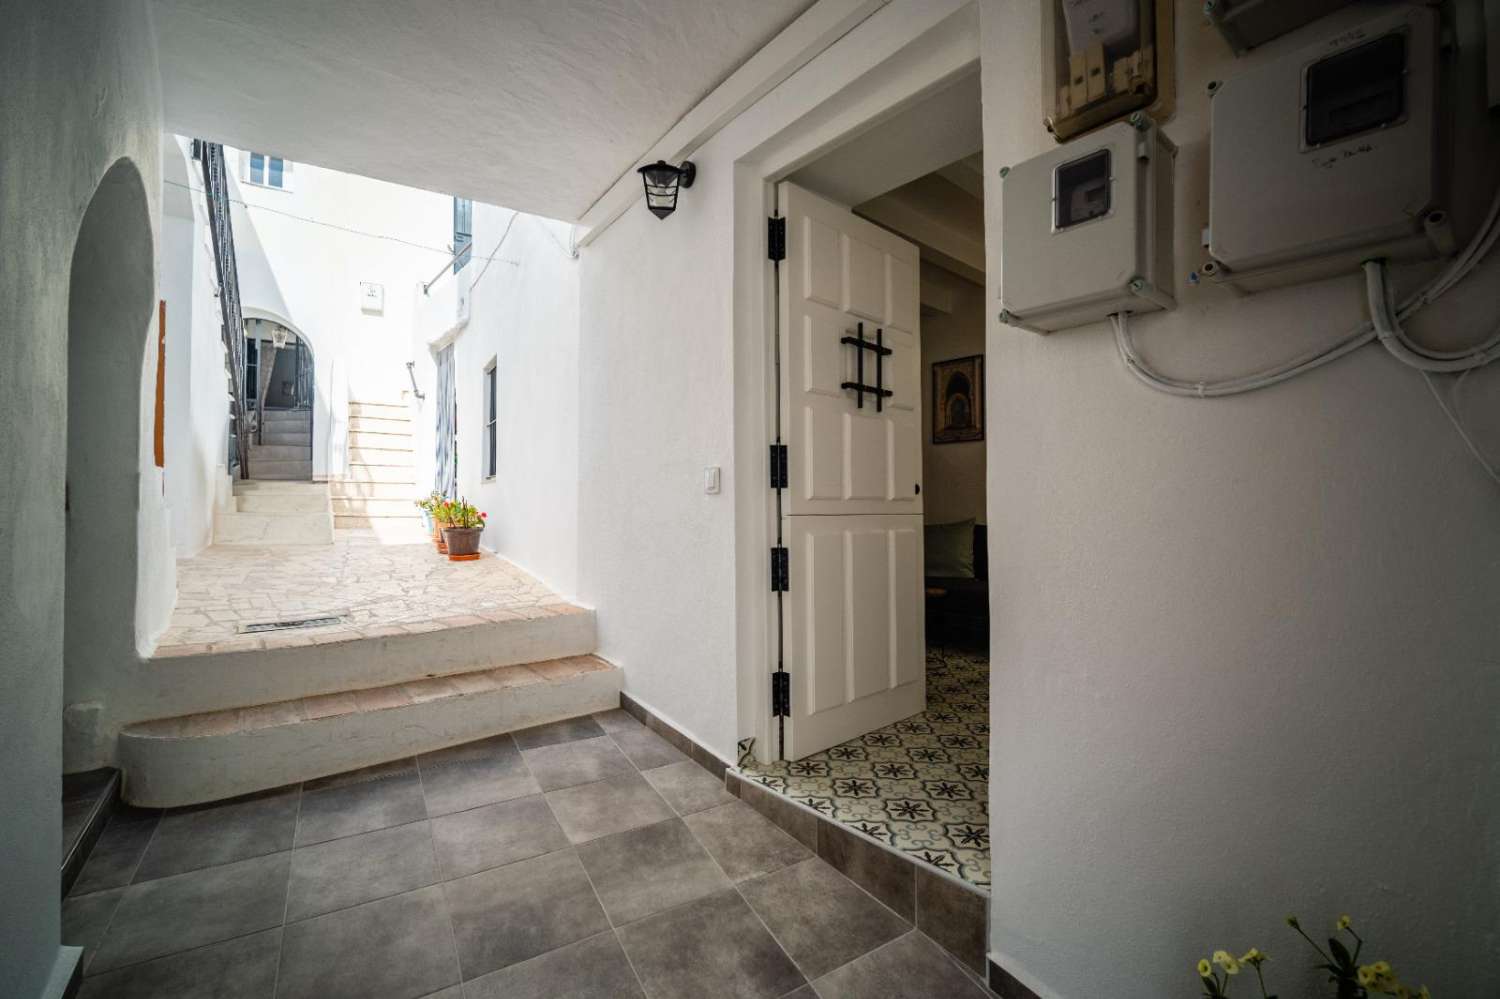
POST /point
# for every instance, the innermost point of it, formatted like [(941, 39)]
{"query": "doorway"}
[(882, 629)]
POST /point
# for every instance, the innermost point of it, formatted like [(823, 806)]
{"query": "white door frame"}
[(910, 71)]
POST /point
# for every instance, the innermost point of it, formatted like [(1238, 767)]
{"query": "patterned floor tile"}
[(921, 784)]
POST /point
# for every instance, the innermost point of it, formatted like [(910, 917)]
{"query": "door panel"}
[(854, 644), (852, 624)]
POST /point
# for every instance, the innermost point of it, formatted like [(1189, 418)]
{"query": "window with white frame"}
[(491, 431), (463, 232), (265, 170)]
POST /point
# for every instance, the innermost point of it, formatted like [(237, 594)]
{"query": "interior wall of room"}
[(93, 66), (523, 316), (952, 474), (1245, 664)]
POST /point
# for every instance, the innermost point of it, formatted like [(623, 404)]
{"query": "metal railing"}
[(448, 265), (216, 190)]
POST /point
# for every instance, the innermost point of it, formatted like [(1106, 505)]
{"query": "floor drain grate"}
[(306, 622)]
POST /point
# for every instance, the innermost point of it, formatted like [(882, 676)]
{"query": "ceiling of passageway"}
[(537, 105)]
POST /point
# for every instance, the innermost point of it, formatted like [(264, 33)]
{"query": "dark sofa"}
[(962, 611)]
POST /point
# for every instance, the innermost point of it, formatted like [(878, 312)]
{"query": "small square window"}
[(257, 168), (1081, 190), (1356, 90)]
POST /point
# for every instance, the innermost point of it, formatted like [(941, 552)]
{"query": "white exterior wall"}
[(303, 253), (523, 315), (92, 66), (1244, 650), (197, 402)]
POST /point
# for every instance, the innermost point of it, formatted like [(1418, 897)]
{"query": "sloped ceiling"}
[(537, 105)]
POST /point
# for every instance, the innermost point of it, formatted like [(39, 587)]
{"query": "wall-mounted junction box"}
[(1246, 24), (1100, 62), (1087, 229), (1329, 156)]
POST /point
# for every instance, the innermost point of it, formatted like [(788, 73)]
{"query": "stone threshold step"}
[(219, 754)]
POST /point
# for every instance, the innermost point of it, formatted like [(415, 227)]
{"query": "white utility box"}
[(1087, 229), (1329, 156)]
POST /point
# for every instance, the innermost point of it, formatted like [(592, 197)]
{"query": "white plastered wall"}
[(1245, 658), (523, 316), (93, 66)]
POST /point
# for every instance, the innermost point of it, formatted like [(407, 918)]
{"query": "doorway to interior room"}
[(880, 707)]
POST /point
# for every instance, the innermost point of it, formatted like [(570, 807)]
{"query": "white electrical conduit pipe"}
[(1394, 339)]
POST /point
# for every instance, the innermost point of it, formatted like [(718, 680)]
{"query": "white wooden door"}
[(852, 617)]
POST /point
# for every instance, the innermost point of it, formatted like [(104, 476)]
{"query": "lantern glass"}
[(662, 181)]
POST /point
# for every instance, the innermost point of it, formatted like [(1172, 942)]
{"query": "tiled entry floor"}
[(584, 858), (920, 785), (377, 590)]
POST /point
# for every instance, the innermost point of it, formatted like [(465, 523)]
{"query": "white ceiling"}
[(538, 106)]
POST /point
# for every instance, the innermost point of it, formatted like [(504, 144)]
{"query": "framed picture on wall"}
[(958, 400)]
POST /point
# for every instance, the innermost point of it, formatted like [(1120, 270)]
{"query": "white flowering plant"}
[(1351, 979)]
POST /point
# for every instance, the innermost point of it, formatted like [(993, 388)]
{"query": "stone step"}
[(367, 507), (386, 530), (219, 754), (290, 502), (301, 438), (288, 417), (380, 410), (380, 425), (390, 474), (363, 439), (298, 470), (352, 489), (247, 486), (379, 456), (279, 452), (259, 528)]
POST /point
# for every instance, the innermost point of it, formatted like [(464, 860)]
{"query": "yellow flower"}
[(1226, 960), (1204, 968), (1422, 993), (1343, 922), (1254, 957), (1382, 968), (1366, 975)]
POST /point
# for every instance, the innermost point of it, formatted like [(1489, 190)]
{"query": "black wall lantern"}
[(662, 180)]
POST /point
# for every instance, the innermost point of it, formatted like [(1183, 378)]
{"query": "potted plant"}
[(429, 507), (1349, 978), (464, 525)]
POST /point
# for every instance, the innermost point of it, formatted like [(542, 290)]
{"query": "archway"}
[(111, 300)]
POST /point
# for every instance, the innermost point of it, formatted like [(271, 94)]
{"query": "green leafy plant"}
[(1351, 979), (430, 504), (463, 514)]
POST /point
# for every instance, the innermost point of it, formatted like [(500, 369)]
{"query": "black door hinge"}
[(776, 238), (781, 573), (781, 694), (778, 466)]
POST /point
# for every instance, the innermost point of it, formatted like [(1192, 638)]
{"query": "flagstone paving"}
[(920, 785), (375, 590)]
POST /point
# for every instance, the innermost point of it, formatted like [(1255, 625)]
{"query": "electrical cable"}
[(1452, 414)]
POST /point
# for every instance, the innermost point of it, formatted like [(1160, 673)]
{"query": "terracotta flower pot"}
[(437, 538), (463, 543)]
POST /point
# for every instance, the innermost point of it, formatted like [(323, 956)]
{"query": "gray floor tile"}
[(377, 771), (495, 835), (177, 913), (347, 809), (645, 748), (394, 948), (118, 852), (617, 719), (506, 915), (609, 806), (476, 773), (75, 816), (888, 875), (356, 869), (85, 918), (955, 915), (220, 834), (744, 842), (712, 947), (912, 967), (805, 992), (242, 968), (688, 787), (821, 918), (646, 870), (595, 968), (567, 730), (582, 761)]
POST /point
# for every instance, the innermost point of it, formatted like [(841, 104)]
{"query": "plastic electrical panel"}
[(1087, 229), (1328, 156)]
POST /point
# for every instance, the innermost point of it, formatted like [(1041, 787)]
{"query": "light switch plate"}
[(711, 480)]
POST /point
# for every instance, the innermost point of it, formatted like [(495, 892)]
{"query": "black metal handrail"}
[(221, 227)]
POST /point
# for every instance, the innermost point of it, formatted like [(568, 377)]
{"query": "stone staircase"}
[(275, 512), (285, 448), (378, 490)]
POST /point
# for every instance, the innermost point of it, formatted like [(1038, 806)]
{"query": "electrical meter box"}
[(1087, 229), (1329, 156)]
